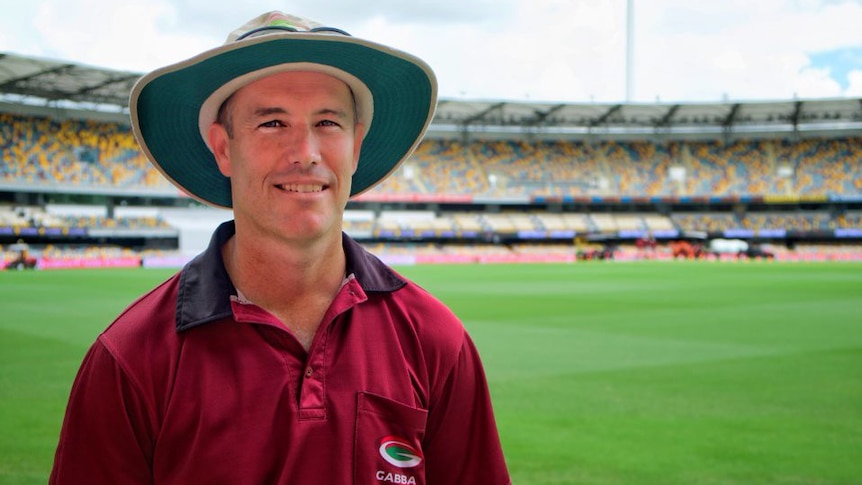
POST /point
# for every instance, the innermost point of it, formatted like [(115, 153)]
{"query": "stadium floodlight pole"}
[(630, 46)]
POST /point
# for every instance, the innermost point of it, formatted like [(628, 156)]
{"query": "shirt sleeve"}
[(106, 437), (462, 444)]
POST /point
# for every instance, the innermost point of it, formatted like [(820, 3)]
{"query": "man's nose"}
[(304, 147)]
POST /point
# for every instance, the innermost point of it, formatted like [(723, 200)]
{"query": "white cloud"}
[(554, 50), (762, 53), (16, 29), (811, 83), (133, 35), (855, 87), (544, 50)]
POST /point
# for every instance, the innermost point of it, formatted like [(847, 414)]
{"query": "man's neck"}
[(294, 283)]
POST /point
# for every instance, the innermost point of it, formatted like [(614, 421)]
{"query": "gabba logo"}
[(398, 452)]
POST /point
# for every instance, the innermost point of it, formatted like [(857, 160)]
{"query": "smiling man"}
[(284, 353), (290, 144)]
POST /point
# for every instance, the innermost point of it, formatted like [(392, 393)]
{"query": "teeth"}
[(302, 188)]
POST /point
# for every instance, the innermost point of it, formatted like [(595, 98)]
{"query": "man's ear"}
[(219, 143)]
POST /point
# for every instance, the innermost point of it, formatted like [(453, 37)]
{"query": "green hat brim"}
[(165, 105)]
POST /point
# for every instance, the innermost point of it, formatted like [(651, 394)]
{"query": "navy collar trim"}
[(205, 287)]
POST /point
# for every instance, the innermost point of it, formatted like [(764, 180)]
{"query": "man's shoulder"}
[(148, 322), (425, 304), (424, 315)]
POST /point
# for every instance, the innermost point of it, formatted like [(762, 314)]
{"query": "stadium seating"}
[(97, 154), (707, 221), (72, 152), (849, 219), (636, 168), (791, 221), (18, 217)]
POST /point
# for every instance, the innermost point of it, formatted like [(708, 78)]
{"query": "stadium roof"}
[(653, 117), (32, 80), (40, 82)]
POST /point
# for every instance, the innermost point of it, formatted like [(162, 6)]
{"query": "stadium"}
[(493, 180), (571, 207)]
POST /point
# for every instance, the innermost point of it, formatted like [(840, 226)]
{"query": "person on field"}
[(284, 353)]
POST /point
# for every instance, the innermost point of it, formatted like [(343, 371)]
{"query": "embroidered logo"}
[(398, 452)]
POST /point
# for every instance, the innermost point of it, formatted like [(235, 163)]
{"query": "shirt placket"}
[(312, 390), (312, 394)]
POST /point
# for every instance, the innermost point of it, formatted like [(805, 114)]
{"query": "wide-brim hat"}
[(172, 108)]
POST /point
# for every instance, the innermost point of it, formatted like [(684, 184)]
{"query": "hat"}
[(172, 108)]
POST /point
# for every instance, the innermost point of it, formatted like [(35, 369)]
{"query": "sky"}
[(513, 50)]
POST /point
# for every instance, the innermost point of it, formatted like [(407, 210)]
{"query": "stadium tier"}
[(745, 168), (40, 152), (70, 179)]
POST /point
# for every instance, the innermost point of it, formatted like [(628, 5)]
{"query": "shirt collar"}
[(205, 287)]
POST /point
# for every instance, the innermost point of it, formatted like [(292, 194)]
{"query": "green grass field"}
[(602, 373)]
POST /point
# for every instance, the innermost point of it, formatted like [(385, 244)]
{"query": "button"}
[(308, 372)]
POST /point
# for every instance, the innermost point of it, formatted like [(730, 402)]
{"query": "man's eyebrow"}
[(271, 110), (268, 110), (332, 112)]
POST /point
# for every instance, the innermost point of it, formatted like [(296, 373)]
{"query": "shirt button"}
[(308, 372)]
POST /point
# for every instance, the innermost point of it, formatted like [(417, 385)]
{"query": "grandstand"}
[(494, 180)]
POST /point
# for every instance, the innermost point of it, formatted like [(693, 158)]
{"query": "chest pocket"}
[(387, 446)]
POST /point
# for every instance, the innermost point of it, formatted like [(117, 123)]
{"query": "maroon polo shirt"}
[(189, 385)]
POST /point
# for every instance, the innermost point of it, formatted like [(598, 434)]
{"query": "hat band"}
[(285, 28)]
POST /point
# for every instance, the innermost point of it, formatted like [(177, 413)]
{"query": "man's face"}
[(290, 151)]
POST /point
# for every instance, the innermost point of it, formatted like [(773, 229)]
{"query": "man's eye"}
[(328, 123), (271, 124)]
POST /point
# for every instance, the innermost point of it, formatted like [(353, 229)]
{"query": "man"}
[(285, 353)]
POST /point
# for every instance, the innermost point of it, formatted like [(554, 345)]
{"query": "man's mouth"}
[(301, 188)]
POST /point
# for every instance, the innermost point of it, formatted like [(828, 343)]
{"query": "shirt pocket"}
[(387, 447)]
